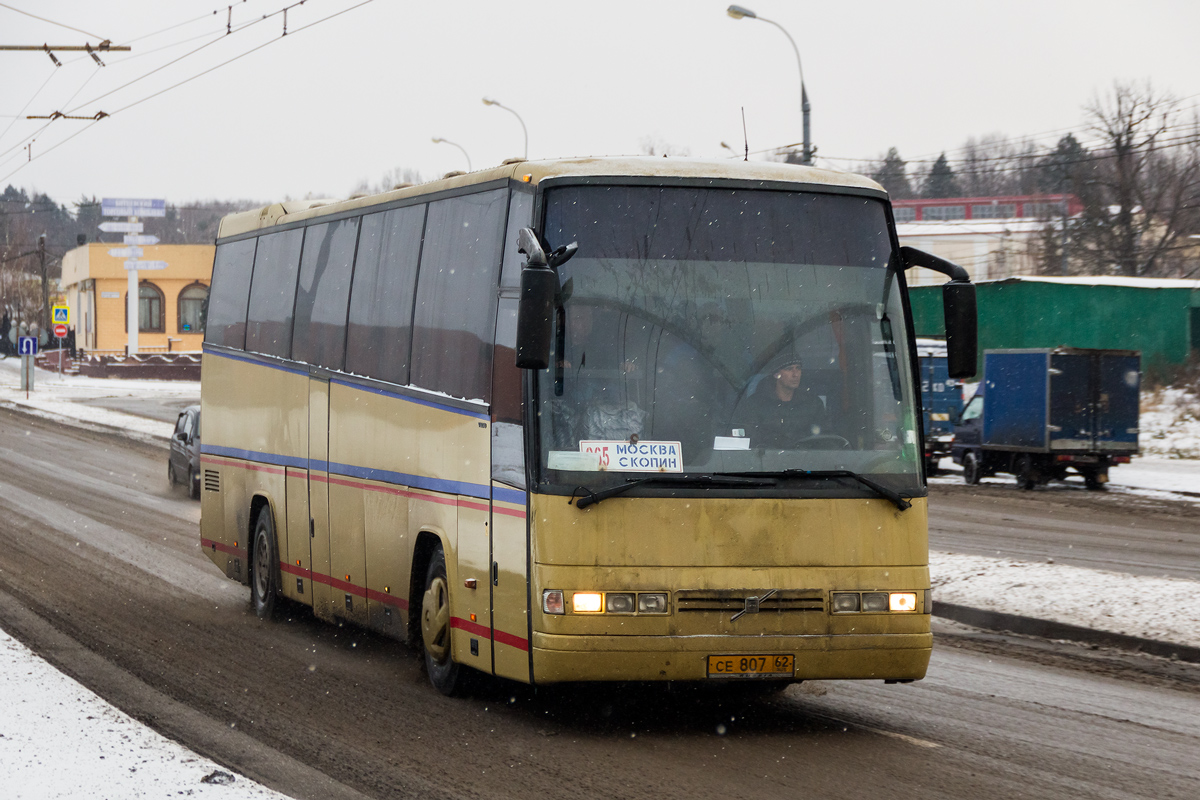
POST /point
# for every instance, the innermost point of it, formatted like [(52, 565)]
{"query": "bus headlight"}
[(552, 601), (652, 603), (587, 602), (844, 602), (875, 601), (902, 601), (619, 602)]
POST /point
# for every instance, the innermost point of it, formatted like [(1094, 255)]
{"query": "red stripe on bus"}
[(243, 464), (381, 597), (483, 630), (222, 548), (299, 572)]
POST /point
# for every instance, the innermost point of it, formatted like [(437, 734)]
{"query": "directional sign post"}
[(133, 238), (27, 349), (132, 208), (121, 227)]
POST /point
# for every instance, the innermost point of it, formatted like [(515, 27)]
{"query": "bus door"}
[(318, 496), (509, 529)]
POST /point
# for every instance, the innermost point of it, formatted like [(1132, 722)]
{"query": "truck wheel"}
[(972, 470), (931, 467), (444, 674), (1093, 481), (1027, 476)]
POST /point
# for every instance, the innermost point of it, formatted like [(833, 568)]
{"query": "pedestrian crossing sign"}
[(62, 315)]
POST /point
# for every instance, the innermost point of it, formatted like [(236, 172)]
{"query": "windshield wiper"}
[(690, 481), (884, 492)]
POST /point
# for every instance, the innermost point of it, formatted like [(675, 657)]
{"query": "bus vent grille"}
[(212, 480), (735, 600)]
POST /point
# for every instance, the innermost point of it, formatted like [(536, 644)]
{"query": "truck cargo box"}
[(1063, 400)]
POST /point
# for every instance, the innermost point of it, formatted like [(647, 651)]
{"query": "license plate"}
[(747, 666)]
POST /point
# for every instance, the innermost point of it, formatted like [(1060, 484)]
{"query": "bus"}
[(633, 419)]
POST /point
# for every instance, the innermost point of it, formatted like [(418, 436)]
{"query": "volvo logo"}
[(753, 604)]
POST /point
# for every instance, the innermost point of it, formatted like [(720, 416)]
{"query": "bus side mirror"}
[(958, 302), (535, 311)]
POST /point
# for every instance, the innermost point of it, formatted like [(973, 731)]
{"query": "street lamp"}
[(487, 101), (738, 12), (440, 140)]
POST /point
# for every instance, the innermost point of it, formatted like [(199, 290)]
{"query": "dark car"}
[(184, 462)]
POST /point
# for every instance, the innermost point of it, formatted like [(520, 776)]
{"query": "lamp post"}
[(738, 12), (487, 101), (440, 140)]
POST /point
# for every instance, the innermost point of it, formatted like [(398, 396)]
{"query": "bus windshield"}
[(712, 330)]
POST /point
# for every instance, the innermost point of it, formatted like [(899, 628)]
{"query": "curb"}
[(1028, 626)]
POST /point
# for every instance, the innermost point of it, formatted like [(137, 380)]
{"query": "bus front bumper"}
[(559, 658)]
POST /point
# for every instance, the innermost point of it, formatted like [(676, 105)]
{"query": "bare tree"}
[(1140, 192)]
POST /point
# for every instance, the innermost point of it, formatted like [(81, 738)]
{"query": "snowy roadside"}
[(1088, 598), (101, 752), (59, 740)]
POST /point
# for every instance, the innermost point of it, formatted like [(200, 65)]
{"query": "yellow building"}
[(171, 301)]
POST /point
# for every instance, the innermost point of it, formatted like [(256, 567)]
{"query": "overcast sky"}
[(361, 94)]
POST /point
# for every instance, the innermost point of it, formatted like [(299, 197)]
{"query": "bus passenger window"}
[(272, 293), (232, 268), (379, 333), (455, 317), (324, 292)]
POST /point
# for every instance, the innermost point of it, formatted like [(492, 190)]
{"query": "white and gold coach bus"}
[(582, 420)]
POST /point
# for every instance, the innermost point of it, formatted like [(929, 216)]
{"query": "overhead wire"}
[(52, 22), (196, 76)]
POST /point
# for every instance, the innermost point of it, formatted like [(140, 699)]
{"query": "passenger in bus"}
[(782, 414)]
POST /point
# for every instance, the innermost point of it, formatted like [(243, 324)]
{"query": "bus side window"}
[(272, 292), (508, 440), (232, 268), (455, 316), (379, 333), (520, 215), (324, 293)]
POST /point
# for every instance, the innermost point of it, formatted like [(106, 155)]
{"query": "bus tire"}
[(972, 470), (264, 566), (444, 674)]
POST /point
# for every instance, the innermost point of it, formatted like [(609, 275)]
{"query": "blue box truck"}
[(941, 402), (1043, 414)]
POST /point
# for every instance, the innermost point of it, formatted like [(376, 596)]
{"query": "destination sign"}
[(121, 227), (132, 207), (636, 456)]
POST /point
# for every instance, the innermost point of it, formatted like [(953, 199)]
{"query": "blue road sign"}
[(27, 345)]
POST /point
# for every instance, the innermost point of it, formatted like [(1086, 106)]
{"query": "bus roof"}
[(533, 172)]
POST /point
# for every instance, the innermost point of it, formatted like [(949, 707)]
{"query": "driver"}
[(781, 414)]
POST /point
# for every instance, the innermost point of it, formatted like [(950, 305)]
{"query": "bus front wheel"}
[(264, 566), (444, 674)]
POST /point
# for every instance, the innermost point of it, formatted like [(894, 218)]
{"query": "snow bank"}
[(1164, 609), (59, 740), (1170, 424)]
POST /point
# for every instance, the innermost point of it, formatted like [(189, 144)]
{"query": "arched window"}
[(192, 301), (150, 309)]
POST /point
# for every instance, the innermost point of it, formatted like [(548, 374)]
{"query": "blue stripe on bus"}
[(254, 455), (366, 473), (414, 481), (256, 362), (505, 495), (411, 399)]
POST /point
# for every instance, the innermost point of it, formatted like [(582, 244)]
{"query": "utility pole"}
[(45, 316)]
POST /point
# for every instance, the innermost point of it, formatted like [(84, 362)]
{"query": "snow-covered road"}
[(110, 754)]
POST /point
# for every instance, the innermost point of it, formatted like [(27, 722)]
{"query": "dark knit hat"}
[(783, 360)]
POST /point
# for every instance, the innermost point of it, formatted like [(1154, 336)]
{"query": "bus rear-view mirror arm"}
[(539, 298), (958, 305)]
